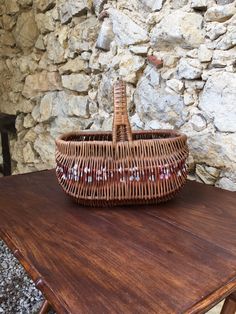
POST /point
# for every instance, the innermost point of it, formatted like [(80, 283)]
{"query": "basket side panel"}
[(148, 170)]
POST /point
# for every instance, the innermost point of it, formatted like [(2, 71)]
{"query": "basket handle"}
[(121, 129)]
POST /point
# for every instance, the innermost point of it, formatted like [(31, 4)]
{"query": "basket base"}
[(110, 203)]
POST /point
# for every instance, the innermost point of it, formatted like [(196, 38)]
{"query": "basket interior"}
[(107, 136)]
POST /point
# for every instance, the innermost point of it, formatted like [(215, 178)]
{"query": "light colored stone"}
[(70, 8), (141, 50), (57, 104), (215, 29), (44, 5), (19, 123), (45, 147), (218, 100), (76, 82), (227, 184), (158, 125), (107, 124), (74, 66), (193, 53), (175, 85), (187, 31), (55, 49), (198, 122), (209, 72), (126, 31), (189, 98), (38, 83), (11, 7), (153, 76), (194, 84), (25, 3), (167, 74), (36, 113), (230, 174), (189, 69), (136, 122), (105, 95), (222, 2), (40, 43), (177, 4), (78, 106), (60, 104), (64, 124), (152, 102), (29, 154), (204, 54), (85, 55), (99, 5), (8, 22), (199, 4), (45, 111), (92, 94), (76, 46), (207, 174), (28, 121), (228, 40), (191, 164), (40, 128), (9, 52), (129, 66), (45, 23), (17, 152), (220, 13), (105, 36), (83, 35), (216, 149), (26, 30), (154, 5), (26, 65), (30, 136), (223, 58), (6, 39)]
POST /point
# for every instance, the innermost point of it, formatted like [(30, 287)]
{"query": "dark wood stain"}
[(177, 257), (7, 125)]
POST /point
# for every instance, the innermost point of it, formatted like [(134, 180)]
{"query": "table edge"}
[(40, 283), (213, 298)]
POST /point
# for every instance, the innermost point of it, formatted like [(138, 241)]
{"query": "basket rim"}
[(176, 135)]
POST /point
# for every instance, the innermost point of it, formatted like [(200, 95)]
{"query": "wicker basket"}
[(121, 167)]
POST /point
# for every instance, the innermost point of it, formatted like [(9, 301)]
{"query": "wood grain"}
[(167, 258)]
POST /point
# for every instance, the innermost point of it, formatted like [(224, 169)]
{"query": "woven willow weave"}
[(121, 167)]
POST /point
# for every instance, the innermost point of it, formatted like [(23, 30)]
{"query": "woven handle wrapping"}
[(121, 129)]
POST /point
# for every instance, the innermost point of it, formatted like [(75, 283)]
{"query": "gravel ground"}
[(18, 294)]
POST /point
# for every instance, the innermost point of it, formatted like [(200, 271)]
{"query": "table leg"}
[(6, 154), (229, 306), (45, 307)]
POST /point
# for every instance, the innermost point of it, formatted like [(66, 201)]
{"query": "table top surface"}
[(176, 257)]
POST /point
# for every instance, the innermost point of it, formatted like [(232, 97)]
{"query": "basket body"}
[(150, 169), (121, 167)]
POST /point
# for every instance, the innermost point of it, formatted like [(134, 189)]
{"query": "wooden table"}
[(177, 257)]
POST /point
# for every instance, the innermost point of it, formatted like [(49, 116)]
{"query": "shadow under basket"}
[(121, 167)]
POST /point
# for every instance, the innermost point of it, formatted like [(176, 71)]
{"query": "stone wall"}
[(58, 60)]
